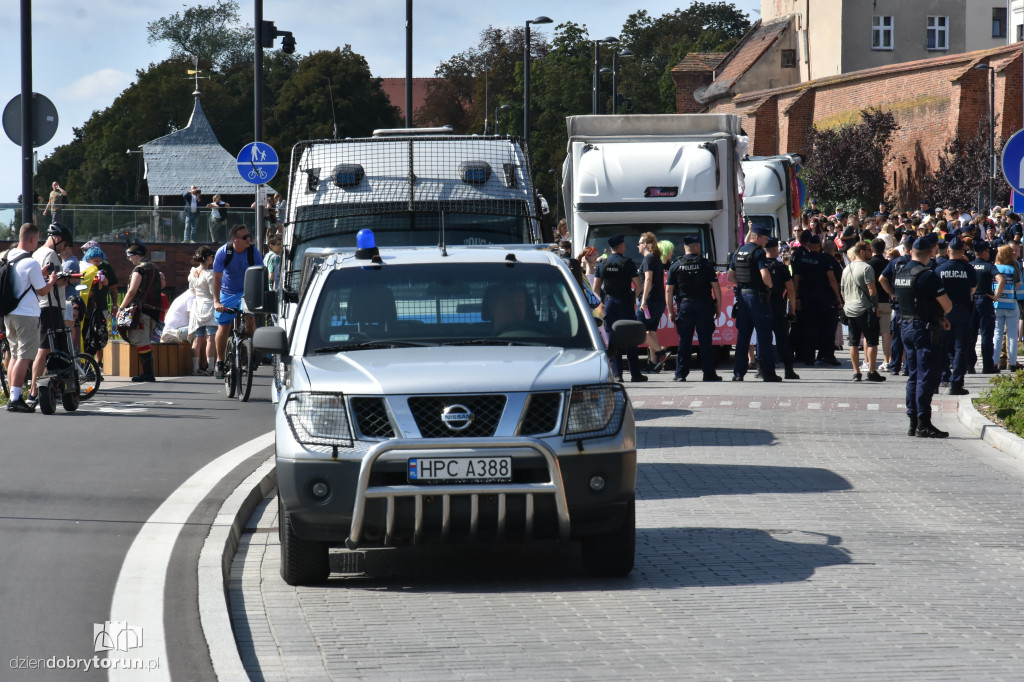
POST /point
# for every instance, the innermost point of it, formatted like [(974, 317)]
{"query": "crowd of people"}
[(909, 293), (71, 303)]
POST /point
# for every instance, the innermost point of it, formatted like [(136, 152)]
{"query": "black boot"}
[(790, 374), (925, 429), (912, 431), (146, 360)]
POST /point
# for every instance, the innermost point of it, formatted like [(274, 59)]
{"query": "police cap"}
[(689, 240), (814, 239), (981, 245), (771, 243), (957, 244), (761, 230), (616, 240), (926, 242)]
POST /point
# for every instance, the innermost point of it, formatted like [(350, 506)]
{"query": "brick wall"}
[(687, 83), (931, 101)]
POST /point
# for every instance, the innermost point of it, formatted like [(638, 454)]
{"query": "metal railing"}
[(106, 224)]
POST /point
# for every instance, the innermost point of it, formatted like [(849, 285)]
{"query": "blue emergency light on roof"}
[(366, 245), (348, 175), (475, 172)]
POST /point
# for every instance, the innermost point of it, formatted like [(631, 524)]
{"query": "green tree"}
[(962, 173), (303, 107), (209, 33), (847, 163)]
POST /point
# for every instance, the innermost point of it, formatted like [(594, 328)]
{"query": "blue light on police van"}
[(475, 172), (348, 175), (365, 239)]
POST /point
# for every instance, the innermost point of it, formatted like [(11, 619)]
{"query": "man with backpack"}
[(229, 266), (52, 304), (21, 281)]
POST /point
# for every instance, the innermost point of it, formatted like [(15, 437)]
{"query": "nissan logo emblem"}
[(457, 417)]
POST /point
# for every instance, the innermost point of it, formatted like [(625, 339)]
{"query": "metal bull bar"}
[(442, 448)]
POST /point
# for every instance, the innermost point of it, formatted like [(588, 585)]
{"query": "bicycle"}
[(257, 173), (5, 356), (238, 358)]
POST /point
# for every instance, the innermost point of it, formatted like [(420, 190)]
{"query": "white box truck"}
[(771, 196), (671, 174)]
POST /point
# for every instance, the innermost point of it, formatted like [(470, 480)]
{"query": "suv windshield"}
[(448, 304)]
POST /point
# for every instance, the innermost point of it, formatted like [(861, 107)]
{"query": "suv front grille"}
[(486, 409), (542, 414), (371, 417)]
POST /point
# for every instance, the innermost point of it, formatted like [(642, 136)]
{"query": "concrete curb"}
[(215, 570), (994, 435)]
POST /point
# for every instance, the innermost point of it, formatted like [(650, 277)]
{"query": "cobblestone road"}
[(785, 532)]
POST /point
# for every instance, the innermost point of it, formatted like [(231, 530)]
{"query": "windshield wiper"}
[(369, 345), (495, 341)]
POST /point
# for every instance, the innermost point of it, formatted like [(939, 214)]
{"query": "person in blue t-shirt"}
[(229, 266)]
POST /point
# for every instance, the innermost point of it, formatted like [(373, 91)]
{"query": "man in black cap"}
[(749, 272), (812, 210), (885, 280), (960, 282), (817, 291), (984, 308), (923, 306), (694, 300), (617, 282), (783, 292)]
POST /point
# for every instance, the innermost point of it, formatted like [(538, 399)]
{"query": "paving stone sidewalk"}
[(803, 541)]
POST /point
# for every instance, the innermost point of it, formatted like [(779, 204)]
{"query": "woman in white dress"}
[(201, 326)]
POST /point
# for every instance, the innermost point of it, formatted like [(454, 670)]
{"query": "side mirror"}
[(256, 292), (627, 334), (271, 340)]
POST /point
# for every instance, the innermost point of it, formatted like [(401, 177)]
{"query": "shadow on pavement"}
[(698, 436), (644, 414), (662, 481), (665, 558)]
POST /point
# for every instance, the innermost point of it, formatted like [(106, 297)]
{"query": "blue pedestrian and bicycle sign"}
[(257, 162)]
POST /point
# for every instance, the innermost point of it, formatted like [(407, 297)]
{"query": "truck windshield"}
[(448, 304), (597, 236), (765, 221)]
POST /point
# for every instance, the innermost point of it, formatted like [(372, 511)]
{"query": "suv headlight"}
[(595, 411), (319, 419)]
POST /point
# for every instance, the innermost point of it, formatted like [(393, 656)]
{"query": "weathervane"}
[(194, 73)]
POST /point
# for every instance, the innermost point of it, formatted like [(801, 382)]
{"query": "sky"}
[(85, 53)]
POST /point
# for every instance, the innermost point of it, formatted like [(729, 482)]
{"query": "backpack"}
[(94, 331), (230, 253), (9, 298)]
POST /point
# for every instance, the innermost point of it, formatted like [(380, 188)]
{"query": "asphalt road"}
[(75, 490)]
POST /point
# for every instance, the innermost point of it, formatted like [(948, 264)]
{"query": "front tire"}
[(47, 399), (244, 370), (611, 555), (302, 562), (86, 367), (230, 371)]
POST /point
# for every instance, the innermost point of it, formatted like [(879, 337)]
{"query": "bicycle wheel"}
[(89, 375), (229, 368), (244, 369)]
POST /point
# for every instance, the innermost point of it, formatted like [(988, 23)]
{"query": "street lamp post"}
[(991, 130), (526, 78), (503, 107), (597, 70), (615, 74)]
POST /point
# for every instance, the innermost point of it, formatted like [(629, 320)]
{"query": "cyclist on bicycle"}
[(52, 304), (229, 266)]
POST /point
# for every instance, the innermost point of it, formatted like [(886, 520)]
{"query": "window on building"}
[(1020, 33), (881, 32), (998, 22), (938, 33), (789, 59)]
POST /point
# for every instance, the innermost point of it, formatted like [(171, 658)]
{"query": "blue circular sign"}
[(257, 163), (1013, 159)]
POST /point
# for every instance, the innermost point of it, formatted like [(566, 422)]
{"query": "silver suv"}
[(441, 396)]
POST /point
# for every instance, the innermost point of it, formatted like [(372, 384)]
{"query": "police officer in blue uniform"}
[(959, 281), (617, 282), (923, 306), (817, 291), (694, 301), (984, 309), (783, 292), (749, 272), (896, 359)]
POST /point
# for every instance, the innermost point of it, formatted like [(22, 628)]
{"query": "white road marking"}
[(813, 406), (873, 406), (842, 404), (697, 403), (725, 402), (755, 405), (139, 593)]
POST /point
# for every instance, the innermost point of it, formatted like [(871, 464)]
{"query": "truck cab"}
[(772, 194)]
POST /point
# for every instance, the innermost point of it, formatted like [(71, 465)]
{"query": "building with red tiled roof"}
[(697, 70), (394, 88), (757, 61)]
